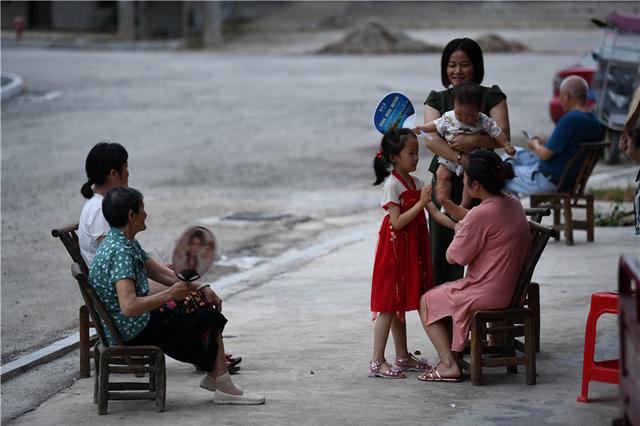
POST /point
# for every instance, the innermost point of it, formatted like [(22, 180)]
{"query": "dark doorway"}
[(39, 14)]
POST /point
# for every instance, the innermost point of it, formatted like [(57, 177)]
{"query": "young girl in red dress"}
[(402, 268)]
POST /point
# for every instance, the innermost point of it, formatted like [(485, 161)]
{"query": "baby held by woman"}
[(465, 118)]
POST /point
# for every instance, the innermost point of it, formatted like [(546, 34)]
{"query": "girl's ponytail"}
[(392, 143), (381, 167), (86, 190)]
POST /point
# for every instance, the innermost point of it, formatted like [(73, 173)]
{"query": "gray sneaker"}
[(244, 399)]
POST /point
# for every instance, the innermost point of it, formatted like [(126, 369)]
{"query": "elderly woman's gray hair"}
[(117, 204)]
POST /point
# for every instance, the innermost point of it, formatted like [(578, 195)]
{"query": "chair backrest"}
[(540, 235), (69, 238), (537, 213), (95, 306), (577, 171)]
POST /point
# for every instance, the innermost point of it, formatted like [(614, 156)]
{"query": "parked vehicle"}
[(612, 70), (618, 74)]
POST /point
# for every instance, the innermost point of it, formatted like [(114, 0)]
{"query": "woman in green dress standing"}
[(461, 61)]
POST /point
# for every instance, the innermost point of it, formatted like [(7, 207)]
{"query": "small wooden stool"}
[(608, 371)]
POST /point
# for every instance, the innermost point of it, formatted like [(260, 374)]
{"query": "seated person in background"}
[(465, 118), (106, 167), (119, 275), (540, 169)]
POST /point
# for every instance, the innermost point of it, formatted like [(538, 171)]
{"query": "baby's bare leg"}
[(443, 184), (444, 187)]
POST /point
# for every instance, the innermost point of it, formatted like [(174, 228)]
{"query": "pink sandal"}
[(392, 373), (421, 364), (434, 375)]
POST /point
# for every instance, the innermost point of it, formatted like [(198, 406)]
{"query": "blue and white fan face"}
[(394, 111)]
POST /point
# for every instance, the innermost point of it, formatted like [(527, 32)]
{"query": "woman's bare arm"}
[(131, 305), (159, 272), (500, 113), (440, 217)]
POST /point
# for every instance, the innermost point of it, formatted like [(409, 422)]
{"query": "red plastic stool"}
[(608, 371)]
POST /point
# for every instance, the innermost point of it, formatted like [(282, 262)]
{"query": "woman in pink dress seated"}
[(493, 241)]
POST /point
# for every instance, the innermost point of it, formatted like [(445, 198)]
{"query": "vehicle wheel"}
[(612, 152)]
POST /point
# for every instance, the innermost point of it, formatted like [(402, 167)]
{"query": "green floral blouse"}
[(118, 258)]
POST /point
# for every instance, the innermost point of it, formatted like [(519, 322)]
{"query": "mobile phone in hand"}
[(527, 134)]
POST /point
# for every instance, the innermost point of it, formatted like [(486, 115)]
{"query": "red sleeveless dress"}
[(402, 268)]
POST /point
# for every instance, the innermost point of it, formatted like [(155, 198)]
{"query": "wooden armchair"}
[(69, 238), (515, 321), (570, 194), (120, 358)]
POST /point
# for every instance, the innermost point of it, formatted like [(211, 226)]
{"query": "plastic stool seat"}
[(607, 371)]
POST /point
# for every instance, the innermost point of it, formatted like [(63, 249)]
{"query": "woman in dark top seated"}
[(461, 61), (184, 331)]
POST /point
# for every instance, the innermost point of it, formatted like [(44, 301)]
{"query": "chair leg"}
[(590, 218), (160, 381), (568, 221), (152, 381), (533, 302), (477, 326), (556, 223), (530, 350), (96, 354), (509, 348), (103, 385), (85, 367)]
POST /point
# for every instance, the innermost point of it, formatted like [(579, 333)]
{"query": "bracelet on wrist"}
[(202, 286), (459, 158)]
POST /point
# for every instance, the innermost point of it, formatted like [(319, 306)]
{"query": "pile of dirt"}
[(371, 37), (495, 43)]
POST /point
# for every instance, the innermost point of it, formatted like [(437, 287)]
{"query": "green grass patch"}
[(617, 195)]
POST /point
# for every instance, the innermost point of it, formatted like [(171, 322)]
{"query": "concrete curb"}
[(41, 356), (13, 88)]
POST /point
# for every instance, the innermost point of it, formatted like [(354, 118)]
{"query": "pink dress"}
[(493, 240)]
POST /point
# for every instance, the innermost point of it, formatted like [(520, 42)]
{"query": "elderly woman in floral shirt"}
[(119, 275)]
